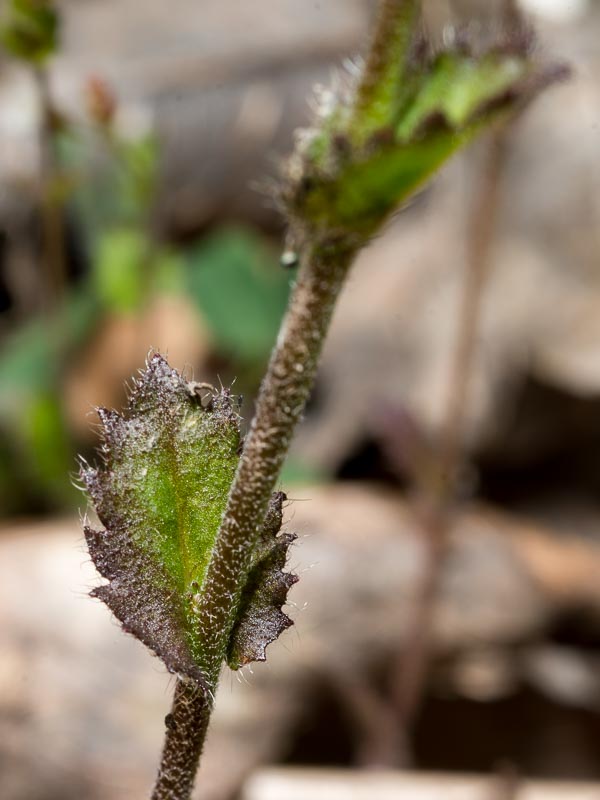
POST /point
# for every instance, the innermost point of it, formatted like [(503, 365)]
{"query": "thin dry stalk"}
[(53, 231), (436, 499)]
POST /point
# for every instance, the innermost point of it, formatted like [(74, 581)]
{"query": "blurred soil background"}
[(168, 122)]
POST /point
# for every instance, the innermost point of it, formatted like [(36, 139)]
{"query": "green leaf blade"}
[(384, 75), (456, 87), (169, 464), (412, 110)]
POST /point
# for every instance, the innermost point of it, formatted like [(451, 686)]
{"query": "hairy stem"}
[(186, 728), (282, 398), (391, 37), (330, 247)]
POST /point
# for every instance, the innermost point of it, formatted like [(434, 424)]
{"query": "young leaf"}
[(260, 620), (406, 116), (169, 464)]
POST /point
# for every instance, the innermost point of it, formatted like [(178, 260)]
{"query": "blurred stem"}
[(53, 233), (436, 499), (506, 783), (388, 50), (373, 720), (481, 236)]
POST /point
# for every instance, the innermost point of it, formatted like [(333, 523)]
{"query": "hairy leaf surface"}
[(260, 619), (409, 113), (169, 464)]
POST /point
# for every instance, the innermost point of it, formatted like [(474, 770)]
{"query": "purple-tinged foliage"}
[(260, 619), (169, 461)]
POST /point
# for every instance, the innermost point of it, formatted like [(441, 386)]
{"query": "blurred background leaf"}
[(29, 29), (241, 292)]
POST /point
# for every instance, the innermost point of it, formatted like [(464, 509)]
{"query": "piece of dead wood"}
[(296, 784)]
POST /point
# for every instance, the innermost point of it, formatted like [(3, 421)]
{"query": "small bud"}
[(29, 30), (100, 101)]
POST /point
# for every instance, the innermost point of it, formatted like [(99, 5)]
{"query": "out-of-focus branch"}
[(52, 218), (435, 500)]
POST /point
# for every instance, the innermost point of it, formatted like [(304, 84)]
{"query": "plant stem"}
[(281, 401), (392, 35), (436, 499), (282, 398), (327, 255), (506, 783), (372, 718), (186, 730), (53, 234)]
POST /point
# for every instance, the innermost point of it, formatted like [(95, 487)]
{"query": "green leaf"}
[(384, 76), (43, 433), (33, 356), (29, 30), (260, 619), (32, 417), (366, 192), (408, 114), (456, 88), (241, 292), (120, 269), (169, 464)]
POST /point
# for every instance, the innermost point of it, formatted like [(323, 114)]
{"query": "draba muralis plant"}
[(191, 548)]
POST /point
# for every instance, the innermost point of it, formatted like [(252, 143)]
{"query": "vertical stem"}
[(53, 234), (484, 214), (506, 784), (435, 502), (392, 36), (373, 720), (186, 728), (282, 398), (281, 401)]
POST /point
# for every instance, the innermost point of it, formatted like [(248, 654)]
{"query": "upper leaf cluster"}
[(405, 112)]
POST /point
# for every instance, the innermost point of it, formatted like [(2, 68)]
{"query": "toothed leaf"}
[(457, 87), (406, 116), (260, 619), (169, 464)]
